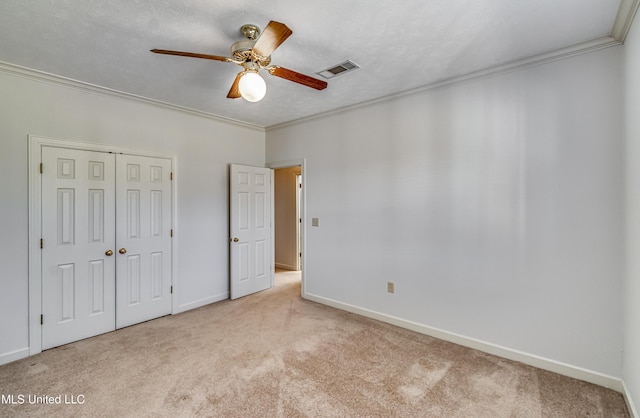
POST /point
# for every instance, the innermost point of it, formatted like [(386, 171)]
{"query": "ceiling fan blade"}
[(298, 77), (234, 92), (272, 37), (190, 54)]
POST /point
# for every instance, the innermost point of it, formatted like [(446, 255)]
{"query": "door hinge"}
[(171, 233), (172, 290), (41, 319), (171, 175), (40, 168), (41, 243), (300, 254)]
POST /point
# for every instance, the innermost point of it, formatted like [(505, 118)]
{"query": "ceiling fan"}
[(253, 54)]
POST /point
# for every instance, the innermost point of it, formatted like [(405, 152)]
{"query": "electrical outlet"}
[(391, 287)]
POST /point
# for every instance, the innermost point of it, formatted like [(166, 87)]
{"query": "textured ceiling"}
[(399, 45)]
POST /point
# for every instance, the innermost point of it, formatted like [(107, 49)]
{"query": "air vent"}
[(339, 69)]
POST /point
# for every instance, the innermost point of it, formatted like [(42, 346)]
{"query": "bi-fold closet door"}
[(106, 235)]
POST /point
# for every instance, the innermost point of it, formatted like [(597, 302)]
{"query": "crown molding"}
[(535, 60), (41, 76), (619, 31), (624, 18)]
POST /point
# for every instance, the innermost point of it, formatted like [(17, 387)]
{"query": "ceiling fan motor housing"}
[(241, 51)]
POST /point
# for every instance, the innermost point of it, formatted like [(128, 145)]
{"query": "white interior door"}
[(78, 242), (250, 220), (143, 212)]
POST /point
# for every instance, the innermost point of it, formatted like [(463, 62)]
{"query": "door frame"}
[(35, 144), (299, 221), (302, 162)]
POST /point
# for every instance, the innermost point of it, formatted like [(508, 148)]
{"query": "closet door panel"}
[(143, 232), (78, 233)]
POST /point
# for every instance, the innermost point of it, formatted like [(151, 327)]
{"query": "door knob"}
[(108, 253), (236, 239), (122, 250)]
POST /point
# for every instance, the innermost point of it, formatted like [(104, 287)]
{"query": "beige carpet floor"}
[(273, 354)]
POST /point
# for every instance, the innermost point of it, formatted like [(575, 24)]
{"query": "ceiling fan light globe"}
[(252, 87)]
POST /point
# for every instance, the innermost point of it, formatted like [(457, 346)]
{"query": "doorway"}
[(289, 217)]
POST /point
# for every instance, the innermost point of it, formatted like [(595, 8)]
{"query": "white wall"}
[(203, 146), (496, 207), (631, 370)]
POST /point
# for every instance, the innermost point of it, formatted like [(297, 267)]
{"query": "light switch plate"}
[(315, 222)]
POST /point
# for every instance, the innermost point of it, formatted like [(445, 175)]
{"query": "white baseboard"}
[(201, 302), (526, 358), (285, 266), (629, 400), (14, 355)]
